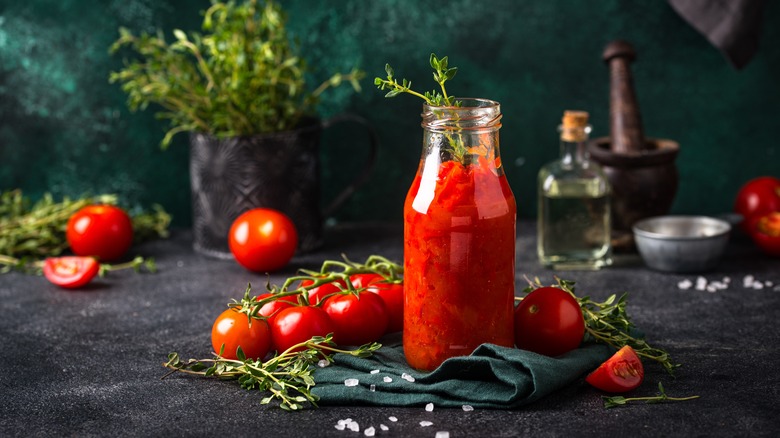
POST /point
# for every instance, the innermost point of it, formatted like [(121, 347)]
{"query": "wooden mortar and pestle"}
[(640, 170)]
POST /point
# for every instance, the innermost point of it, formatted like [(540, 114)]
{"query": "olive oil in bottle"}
[(574, 204)]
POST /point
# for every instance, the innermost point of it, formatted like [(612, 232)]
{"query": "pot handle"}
[(368, 167)]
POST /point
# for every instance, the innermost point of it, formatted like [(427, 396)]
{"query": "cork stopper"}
[(574, 127)]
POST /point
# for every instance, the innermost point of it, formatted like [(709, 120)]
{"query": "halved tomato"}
[(70, 272), (620, 373)]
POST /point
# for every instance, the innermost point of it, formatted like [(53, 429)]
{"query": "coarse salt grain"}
[(701, 283), (685, 284), (341, 426), (323, 363), (748, 281), (758, 285), (393, 419), (429, 407), (408, 377), (374, 371), (372, 388), (442, 434), (370, 431), (383, 427), (353, 426), (351, 382), (468, 408), (387, 379), (426, 423)]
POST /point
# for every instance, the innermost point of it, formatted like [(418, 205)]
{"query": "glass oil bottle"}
[(574, 204)]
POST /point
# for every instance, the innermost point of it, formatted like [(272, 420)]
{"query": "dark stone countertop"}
[(88, 362)]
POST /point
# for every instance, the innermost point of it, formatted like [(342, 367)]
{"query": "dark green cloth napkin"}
[(491, 377)]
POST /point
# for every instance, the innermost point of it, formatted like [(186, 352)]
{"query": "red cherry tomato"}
[(102, 231), (758, 196), (392, 295), (549, 321), (297, 324), (357, 318), (321, 292), (620, 373), (272, 308), (70, 272), (360, 281), (232, 329), (765, 232), (263, 240)]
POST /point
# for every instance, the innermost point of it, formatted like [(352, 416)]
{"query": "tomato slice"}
[(765, 232), (620, 373), (70, 272)]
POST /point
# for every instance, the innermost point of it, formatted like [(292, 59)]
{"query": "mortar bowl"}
[(681, 243)]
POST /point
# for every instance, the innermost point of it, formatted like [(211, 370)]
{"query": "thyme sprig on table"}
[(288, 376), (31, 231), (608, 322), (661, 397)]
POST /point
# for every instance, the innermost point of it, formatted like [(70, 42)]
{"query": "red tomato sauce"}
[(459, 262)]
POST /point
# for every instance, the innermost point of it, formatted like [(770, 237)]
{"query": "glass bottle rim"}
[(474, 114)]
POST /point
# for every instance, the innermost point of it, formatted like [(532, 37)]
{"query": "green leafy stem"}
[(288, 376), (608, 322), (661, 397)]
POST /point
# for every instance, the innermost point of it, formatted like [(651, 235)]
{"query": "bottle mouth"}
[(473, 114)]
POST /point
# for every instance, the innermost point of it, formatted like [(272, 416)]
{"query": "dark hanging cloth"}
[(732, 26)]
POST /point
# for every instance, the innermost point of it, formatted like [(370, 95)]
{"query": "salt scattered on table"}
[(408, 377), (372, 388), (393, 419), (351, 382), (701, 283), (442, 434), (387, 379), (429, 407), (426, 423), (323, 363), (369, 431), (374, 371), (468, 408), (685, 284), (383, 427), (353, 426)]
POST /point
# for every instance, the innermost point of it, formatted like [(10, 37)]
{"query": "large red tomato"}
[(263, 240), (102, 231), (620, 373), (549, 321), (758, 196), (232, 329)]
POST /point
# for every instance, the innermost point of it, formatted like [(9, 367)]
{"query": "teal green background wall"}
[(64, 129)]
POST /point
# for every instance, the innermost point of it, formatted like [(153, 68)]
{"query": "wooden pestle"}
[(625, 121)]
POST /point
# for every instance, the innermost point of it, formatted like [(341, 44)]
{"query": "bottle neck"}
[(463, 133), (574, 142), (574, 152)]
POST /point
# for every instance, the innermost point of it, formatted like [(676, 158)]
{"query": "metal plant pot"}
[(280, 170)]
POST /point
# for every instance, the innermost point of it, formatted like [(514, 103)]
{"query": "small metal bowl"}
[(681, 243)]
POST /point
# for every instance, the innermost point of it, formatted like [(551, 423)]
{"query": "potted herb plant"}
[(239, 89)]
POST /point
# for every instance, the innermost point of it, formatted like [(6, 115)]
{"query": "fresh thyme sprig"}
[(288, 376), (661, 397), (31, 231), (608, 322), (442, 73)]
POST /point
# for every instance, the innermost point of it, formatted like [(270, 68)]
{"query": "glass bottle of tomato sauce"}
[(459, 238)]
